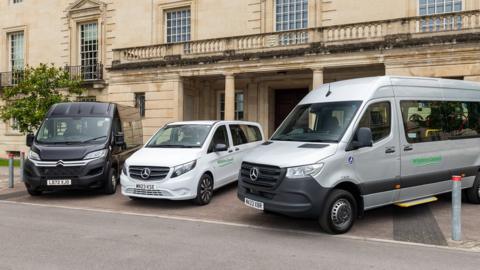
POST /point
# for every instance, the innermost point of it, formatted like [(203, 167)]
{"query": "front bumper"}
[(91, 175), (183, 187), (303, 197)]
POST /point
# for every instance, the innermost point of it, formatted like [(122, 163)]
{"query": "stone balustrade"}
[(330, 35)]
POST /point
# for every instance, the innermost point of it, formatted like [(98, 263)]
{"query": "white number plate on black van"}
[(254, 204), (59, 182)]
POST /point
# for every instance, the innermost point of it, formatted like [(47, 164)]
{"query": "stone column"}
[(317, 78), (229, 97)]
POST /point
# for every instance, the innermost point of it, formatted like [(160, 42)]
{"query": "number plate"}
[(145, 187), (59, 182), (254, 204)]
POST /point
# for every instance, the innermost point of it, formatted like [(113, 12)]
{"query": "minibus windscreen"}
[(318, 122), (180, 136), (59, 130)]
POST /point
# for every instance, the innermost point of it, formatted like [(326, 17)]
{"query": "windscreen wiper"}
[(93, 139)]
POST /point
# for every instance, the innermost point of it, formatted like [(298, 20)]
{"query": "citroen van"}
[(355, 145), (189, 160), (81, 145)]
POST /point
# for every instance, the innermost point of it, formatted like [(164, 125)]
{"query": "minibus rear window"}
[(318, 122)]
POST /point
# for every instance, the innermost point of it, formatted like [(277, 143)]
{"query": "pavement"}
[(50, 237), (4, 178)]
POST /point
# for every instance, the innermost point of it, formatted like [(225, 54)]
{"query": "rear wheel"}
[(473, 193), (339, 213), (204, 190), (111, 183)]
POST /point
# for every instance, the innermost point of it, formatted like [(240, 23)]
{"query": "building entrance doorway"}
[(285, 101)]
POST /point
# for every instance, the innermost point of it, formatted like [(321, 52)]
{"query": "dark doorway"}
[(285, 101)]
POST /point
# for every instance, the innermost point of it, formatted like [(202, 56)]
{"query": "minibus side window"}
[(378, 119), (422, 121), (254, 134), (220, 137), (238, 135), (462, 119)]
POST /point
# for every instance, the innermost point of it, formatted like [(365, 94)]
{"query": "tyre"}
[(204, 190), (339, 213), (34, 192), (110, 183), (473, 193)]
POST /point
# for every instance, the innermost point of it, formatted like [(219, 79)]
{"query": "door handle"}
[(236, 149), (230, 151), (390, 150), (407, 148)]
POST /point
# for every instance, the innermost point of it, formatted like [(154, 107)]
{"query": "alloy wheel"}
[(206, 189)]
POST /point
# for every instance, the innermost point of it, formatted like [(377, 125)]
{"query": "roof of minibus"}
[(373, 87), (81, 109)]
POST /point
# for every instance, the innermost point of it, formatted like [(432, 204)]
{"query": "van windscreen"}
[(318, 122), (57, 130), (180, 136)]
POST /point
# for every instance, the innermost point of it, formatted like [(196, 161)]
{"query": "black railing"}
[(86, 73), (12, 78)]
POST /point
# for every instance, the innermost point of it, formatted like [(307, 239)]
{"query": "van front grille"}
[(144, 192), (268, 176), (156, 173), (60, 171)]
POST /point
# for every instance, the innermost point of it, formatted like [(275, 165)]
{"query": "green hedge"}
[(4, 162)]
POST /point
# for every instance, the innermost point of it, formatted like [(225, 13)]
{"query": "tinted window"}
[(378, 119), (220, 137), (253, 134), (239, 134), (422, 121), (462, 119), (74, 130)]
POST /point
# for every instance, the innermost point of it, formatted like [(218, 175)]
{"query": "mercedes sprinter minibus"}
[(359, 144), (81, 145)]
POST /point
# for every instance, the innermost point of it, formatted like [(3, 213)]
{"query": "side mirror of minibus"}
[(220, 147), (30, 138), (363, 138), (119, 139)]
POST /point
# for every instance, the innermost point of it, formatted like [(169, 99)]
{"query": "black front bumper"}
[(302, 197), (90, 176)]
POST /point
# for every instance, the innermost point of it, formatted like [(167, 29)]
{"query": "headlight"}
[(184, 168), (96, 154), (125, 169), (302, 171), (33, 156)]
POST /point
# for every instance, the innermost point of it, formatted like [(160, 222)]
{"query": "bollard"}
[(22, 164), (10, 171), (456, 208)]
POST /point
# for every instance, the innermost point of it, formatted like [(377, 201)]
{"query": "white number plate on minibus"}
[(145, 187), (254, 204), (59, 182)]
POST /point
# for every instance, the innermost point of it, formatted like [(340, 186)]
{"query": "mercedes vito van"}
[(81, 145), (359, 144), (189, 160)]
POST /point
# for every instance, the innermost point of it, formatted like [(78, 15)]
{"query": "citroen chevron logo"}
[(60, 163), (254, 173)]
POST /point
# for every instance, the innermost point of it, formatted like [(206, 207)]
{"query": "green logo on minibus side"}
[(426, 161)]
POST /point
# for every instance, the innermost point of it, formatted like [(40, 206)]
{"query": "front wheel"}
[(473, 193), (204, 190), (339, 213), (111, 183), (34, 192)]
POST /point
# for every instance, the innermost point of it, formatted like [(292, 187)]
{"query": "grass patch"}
[(4, 162)]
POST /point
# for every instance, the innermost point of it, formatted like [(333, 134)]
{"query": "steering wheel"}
[(415, 117)]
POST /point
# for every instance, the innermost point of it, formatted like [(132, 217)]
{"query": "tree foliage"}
[(37, 90)]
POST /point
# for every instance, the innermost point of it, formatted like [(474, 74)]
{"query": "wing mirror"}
[(363, 138), (220, 147), (30, 138), (119, 139)]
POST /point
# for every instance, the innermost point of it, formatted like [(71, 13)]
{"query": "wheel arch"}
[(355, 190)]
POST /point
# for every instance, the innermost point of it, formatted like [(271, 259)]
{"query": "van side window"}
[(422, 121), (378, 119), (238, 134), (219, 137), (462, 119), (253, 134)]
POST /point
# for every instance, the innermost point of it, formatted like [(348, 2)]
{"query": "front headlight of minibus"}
[(96, 154), (125, 170), (184, 168), (33, 155), (303, 171)]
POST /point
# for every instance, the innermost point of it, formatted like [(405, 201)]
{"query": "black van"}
[(82, 145)]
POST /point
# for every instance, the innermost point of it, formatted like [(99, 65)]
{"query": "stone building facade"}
[(224, 59)]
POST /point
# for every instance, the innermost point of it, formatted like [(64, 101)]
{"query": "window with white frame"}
[(17, 1), (17, 50), (87, 99), (433, 7), (89, 50), (178, 25), (291, 15), (239, 106)]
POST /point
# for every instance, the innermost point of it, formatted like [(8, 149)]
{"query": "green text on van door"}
[(418, 162), (225, 162)]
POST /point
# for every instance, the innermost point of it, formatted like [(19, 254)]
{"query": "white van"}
[(188, 160), (359, 144)]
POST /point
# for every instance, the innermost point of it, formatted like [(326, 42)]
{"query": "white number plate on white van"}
[(254, 204), (59, 182), (145, 187)]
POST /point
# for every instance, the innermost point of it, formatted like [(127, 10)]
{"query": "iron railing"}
[(12, 78), (86, 72)]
